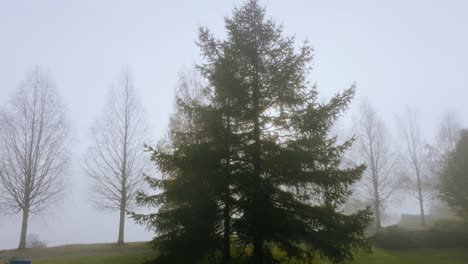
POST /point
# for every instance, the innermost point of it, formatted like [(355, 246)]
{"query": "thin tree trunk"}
[(421, 201), (421, 205), (24, 229), (121, 240), (123, 208), (26, 207), (378, 224), (123, 199), (378, 220)]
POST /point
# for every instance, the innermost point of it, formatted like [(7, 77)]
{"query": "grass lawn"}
[(126, 258), (91, 253), (415, 256), (135, 253)]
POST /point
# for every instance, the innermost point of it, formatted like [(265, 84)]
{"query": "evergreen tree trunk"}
[(227, 199), (257, 225), (257, 249), (227, 227), (24, 229)]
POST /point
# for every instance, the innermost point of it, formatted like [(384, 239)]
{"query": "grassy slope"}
[(135, 253), (93, 253)]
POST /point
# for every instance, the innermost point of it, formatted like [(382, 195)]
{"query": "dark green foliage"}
[(454, 178), (442, 235), (192, 161), (188, 220), (255, 158)]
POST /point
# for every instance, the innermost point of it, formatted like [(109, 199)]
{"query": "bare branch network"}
[(33, 146), (114, 161)]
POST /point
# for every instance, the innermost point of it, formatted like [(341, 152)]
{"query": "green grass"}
[(118, 259), (135, 253), (90, 253), (415, 256)]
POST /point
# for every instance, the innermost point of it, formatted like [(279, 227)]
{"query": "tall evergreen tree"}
[(261, 163), (454, 178), (288, 160)]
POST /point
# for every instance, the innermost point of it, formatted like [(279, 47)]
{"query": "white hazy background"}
[(398, 52)]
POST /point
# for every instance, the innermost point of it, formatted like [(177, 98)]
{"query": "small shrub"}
[(447, 234), (394, 237), (441, 235), (33, 241)]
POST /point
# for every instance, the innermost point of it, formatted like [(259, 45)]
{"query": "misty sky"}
[(397, 52)]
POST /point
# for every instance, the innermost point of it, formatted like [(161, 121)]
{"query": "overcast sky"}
[(398, 52)]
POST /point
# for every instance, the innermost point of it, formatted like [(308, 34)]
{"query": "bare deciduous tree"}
[(416, 157), (115, 159), (373, 147), (33, 149)]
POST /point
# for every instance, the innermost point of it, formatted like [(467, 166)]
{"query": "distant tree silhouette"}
[(33, 149), (416, 158), (374, 148), (115, 158)]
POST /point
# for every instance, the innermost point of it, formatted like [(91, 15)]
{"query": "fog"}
[(397, 52)]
